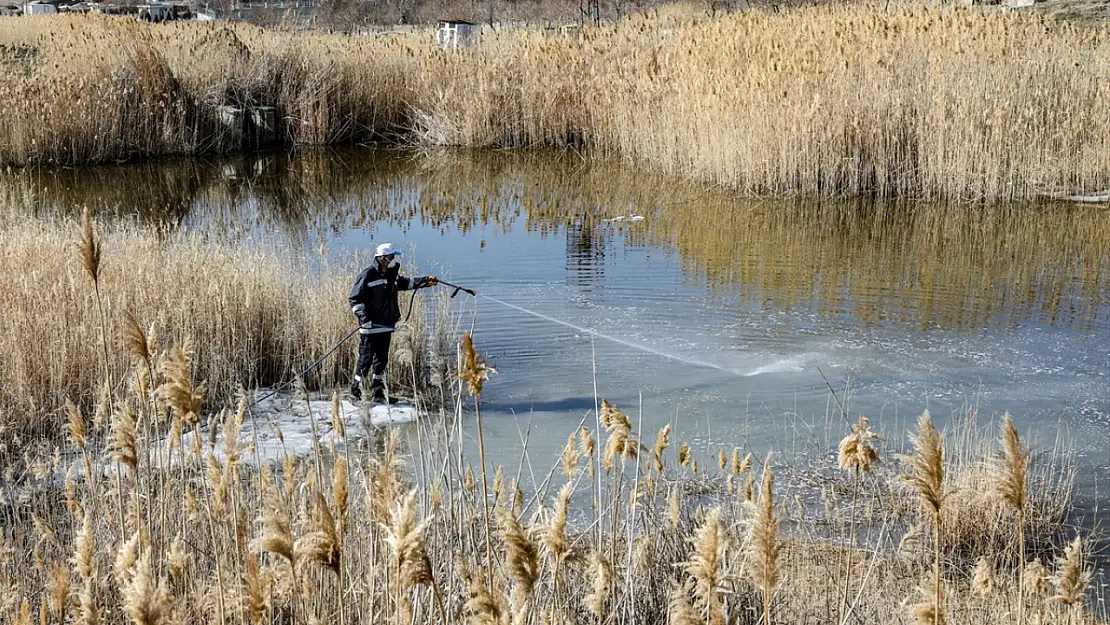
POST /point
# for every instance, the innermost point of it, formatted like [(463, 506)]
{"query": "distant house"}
[(157, 12), (39, 8), (451, 34)]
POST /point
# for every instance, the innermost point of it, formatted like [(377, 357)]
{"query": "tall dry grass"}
[(886, 100), (357, 537), (249, 313)]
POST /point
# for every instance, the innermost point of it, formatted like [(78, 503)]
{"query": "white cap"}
[(385, 249)]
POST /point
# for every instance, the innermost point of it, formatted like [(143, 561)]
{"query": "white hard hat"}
[(385, 249)]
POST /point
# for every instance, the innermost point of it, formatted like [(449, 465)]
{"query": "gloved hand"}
[(430, 281)]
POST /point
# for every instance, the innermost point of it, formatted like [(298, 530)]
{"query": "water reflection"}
[(960, 266)]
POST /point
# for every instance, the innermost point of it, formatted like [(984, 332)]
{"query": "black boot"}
[(356, 390), (377, 394)]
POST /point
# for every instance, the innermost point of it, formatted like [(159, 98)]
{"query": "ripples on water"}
[(724, 308)]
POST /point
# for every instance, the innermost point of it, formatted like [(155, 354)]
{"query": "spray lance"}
[(373, 329)]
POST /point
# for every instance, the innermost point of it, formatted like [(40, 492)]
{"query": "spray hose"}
[(373, 329)]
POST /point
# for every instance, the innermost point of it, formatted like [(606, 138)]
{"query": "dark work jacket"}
[(373, 297)]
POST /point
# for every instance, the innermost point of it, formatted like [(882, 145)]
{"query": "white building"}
[(39, 8), (451, 34), (156, 12)]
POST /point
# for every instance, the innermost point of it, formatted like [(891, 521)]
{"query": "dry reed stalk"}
[(927, 478), (1009, 470), (474, 373), (522, 562), (763, 564), (856, 453), (706, 567), (1072, 578)]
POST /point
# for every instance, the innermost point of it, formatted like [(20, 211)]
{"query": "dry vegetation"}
[(148, 531), (899, 100), (249, 312), (133, 522)]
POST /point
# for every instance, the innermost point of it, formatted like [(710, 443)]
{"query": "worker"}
[(373, 299)]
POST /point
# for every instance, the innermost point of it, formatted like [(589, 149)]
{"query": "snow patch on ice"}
[(284, 424)]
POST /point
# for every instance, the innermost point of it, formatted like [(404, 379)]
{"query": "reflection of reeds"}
[(955, 267)]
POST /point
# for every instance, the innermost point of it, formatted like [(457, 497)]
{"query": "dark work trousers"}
[(373, 352)]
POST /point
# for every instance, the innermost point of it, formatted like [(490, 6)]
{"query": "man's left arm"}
[(406, 284)]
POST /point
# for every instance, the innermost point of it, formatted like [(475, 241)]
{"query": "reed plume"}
[(135, 338), (926, 612), (857, 453), (255, 594), (185, 398), (339, 491), (1009, 471), (674, 509), (602, 573), (58, 595), (90, 248), (320, 546), (570, 456), (706, 566), (1036, 580), (403, 534), (177, 560), (337, 416), (554, 538), (84, 548), (474, 373), (76, 424), (620, 443), (522, 562), (684, 455), (1072, 577), (662, 440), (927, 478), (126, 559), (277, 527), (679, 608), (88, 612), (982, 578), (483, 606), (144, 601), (763, 559)]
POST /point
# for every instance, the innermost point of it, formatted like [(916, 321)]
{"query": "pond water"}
[(729, 317)]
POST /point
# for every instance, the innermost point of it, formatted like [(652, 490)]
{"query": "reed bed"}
[(251, 312), (124, 525), (892, 100)]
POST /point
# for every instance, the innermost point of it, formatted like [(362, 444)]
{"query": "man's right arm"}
[(357, 297)]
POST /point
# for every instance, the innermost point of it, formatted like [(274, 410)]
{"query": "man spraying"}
[(373, 299)]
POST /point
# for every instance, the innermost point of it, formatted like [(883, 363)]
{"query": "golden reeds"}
[(706, 567), (1072, 576), (856, 453), (835, 97), (763, 560), (1009, 470), (927, 478)]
